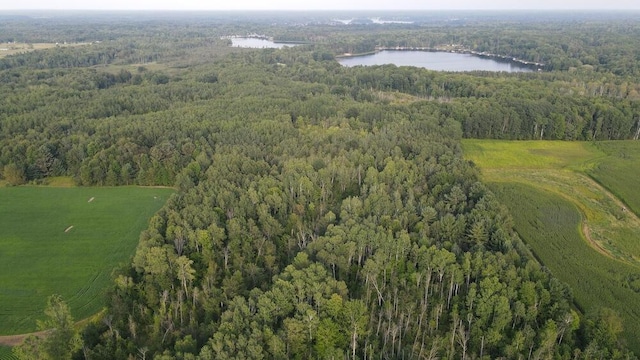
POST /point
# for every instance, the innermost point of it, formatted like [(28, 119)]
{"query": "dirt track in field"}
[(13, 340)]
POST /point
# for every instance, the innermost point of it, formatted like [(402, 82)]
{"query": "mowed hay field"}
[(66, 241), (569, 202)]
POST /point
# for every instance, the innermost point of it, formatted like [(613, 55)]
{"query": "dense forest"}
[(321, 211)]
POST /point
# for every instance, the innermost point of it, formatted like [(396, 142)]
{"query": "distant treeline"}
[(321, 212), (110, 127)]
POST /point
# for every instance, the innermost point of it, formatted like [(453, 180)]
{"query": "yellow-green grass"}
[(60, 181), (561, 167), (67, 241), (550, 225), (7, 49), (532, 154)]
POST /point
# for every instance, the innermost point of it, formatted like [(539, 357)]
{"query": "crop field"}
[(550, 225), (564, 168), (619, 172), (65, 241), (5, 353), (569, 201)]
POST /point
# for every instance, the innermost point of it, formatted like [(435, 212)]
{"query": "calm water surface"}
[(257, 43), (440, 61)]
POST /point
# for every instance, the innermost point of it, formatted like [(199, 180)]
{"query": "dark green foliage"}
[(320, 212)]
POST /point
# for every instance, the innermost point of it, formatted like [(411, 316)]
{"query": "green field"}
[(619, 172), (65, 241), (550, 225), (568, 169), (6, 354), (531, 154), (569, 202)]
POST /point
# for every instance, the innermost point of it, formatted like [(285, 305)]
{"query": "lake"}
[(257, 43), (435, 60)]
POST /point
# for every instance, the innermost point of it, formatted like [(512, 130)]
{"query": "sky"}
[(318, 4)]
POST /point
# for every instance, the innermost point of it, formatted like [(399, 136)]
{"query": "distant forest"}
[(321, 211)]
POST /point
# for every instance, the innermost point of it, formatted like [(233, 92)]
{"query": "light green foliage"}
[(60, 341), (13, 174)]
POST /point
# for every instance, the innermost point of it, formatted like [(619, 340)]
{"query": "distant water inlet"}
[(437, 60), (258, 43)]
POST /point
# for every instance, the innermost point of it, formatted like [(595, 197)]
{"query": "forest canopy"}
[(322, 211)]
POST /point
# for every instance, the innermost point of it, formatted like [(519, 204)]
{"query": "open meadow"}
[(8, 49), (569, 202), (66, 241)]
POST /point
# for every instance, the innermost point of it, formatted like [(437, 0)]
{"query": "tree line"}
[(320, 211)]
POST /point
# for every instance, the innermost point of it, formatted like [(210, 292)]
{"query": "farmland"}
[(620, 172), (65, 241), (5, 353), (550, 226), (564, 168), (573, 224)]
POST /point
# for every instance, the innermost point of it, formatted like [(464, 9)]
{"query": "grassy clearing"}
[(7, 49), (561, 168), (499, 154), (60, 181), (550, 225), (54, 240)]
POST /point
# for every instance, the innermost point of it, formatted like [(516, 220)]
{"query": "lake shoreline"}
[(455, 60), (491, 56)]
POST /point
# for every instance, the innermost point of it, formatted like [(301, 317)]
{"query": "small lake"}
[(434, 60), (258, 43)]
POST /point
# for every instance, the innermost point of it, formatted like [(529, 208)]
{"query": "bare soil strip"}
[(594, 244), (15, 340)]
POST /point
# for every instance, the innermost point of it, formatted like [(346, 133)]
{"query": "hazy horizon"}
[(247, 5)]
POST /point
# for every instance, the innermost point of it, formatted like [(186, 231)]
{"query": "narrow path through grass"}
[(561, 167), (610, 229), (575, 225)]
